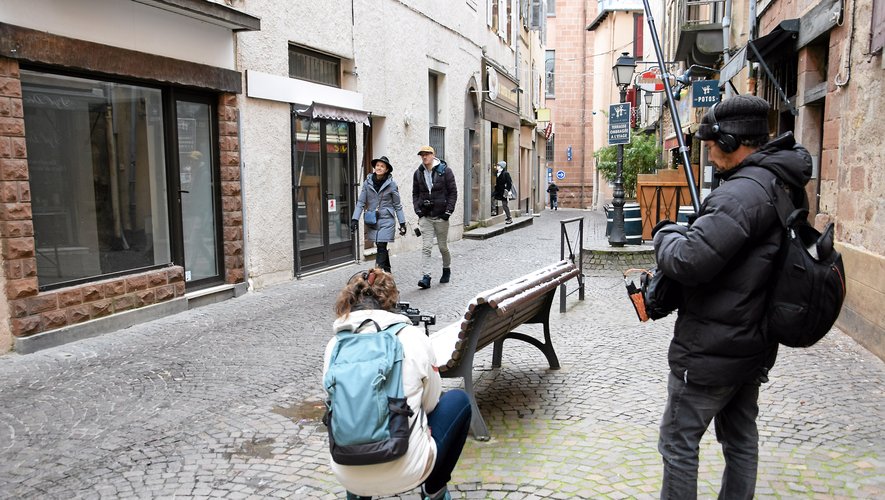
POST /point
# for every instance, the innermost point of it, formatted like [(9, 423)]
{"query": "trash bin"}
[(609, 217), (632, 223), (684, 212)]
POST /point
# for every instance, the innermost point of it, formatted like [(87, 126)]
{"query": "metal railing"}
[(565, 241)]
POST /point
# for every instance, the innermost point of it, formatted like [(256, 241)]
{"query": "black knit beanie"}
[(741, 116)]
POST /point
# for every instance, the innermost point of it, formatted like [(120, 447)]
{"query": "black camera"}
[(417, 232), (415, 315), (426, 204)]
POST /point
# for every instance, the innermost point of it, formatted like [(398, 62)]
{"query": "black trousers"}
[(382, 257)]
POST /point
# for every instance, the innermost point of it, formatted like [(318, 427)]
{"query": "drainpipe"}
[(583, 104), (726, 40), (751, 75)]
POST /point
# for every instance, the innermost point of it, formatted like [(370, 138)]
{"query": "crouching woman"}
[(439, 422)]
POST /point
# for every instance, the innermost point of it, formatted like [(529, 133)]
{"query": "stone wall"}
[(619, 259), (231, 189), (39, 312)]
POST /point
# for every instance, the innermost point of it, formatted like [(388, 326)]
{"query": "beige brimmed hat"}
[(427, 149)]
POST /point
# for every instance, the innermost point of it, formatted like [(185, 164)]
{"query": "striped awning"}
[(331, 112)]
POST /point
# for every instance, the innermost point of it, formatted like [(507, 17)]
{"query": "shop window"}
[(306, 64), (96, 159)]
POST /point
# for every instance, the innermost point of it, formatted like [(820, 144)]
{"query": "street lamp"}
[(623, 74)]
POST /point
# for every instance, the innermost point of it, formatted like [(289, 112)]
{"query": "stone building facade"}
[(119, 164), (392, 76), (816, 62)]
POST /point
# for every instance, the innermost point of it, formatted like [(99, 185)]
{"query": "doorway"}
[(323, 192), (198, 191)]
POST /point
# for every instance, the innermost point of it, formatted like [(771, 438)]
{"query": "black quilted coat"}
[(724, 262), (443, 195)]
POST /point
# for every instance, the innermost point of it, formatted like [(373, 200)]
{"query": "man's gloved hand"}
[(445, 216), (354, 225), (659, 225), (402, 229)]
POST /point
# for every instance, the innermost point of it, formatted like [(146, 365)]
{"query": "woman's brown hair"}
[(372, 289)]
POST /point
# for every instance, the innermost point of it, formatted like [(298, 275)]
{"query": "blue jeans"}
[(690, 408), (449, 423)]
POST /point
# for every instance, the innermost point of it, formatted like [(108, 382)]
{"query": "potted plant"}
[(639, 158)]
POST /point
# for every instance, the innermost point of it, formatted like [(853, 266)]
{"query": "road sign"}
[(560, 174), (619, 123), (568, 153), (704, 93)]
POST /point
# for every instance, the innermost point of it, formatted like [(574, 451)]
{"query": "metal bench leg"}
[(545, 347), (497, 351), (477, 424)]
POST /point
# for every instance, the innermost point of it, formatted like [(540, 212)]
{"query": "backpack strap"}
[(364, 323), (775, 190)]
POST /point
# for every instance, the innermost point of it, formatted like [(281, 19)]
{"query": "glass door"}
[(323, 192), (198, 191)]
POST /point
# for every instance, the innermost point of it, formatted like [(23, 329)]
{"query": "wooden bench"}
[(492, 317)]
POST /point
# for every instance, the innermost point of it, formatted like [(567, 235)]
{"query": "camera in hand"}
[(414, 314), (427, 204)]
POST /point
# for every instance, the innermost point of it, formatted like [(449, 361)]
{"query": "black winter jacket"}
[(724, 262), (444, 193), (503, 183)]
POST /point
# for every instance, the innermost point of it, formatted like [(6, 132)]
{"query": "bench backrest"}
[(494, 313)]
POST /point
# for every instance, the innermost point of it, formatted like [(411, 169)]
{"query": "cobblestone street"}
[(225, 400)]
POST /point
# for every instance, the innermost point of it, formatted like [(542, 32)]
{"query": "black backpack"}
[(808, 279)]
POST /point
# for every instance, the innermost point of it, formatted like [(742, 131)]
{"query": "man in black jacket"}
[(720, 353), (434, 194)]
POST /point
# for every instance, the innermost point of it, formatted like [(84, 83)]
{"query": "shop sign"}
[(704, 93)]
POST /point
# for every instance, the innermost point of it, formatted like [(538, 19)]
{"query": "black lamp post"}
[(623, 73)]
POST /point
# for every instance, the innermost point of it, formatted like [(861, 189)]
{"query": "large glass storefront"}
[(323, 162), (114, 188)]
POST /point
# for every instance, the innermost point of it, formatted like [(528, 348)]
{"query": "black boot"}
[(425, 282), (447, 273)]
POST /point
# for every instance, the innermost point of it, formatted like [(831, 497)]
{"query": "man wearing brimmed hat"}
[(720, 354), (434, 194)]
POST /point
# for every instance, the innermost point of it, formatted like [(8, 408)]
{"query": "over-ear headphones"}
[(727, 142)]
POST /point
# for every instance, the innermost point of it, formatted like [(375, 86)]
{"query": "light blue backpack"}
[(367, 414)]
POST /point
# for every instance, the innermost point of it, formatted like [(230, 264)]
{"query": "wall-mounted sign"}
[(568, 153), (651, 80), (560, 174), (493, 83), (619, 123), (704, 93), (331, 205)]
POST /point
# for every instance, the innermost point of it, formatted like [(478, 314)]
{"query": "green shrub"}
[(639, 158)]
